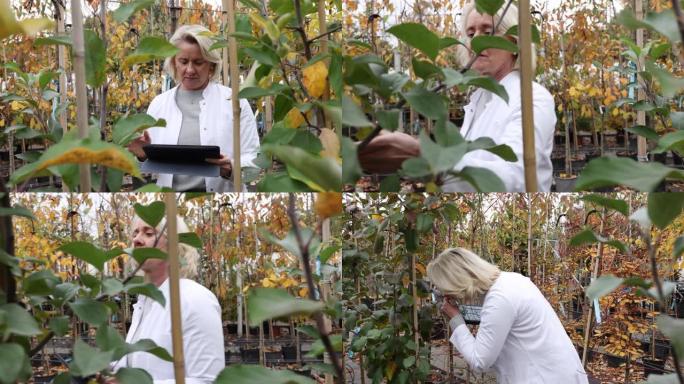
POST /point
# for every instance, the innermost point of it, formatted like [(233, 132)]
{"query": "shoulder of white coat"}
[(195, 293), (541, 93)]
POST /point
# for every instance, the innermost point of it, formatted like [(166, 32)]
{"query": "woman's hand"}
[(448, 308), (225, 164), (386, 153), (137, 144)]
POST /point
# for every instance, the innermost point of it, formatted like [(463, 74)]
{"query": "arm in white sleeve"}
[(482, 350), (513, 173), (249, 137)]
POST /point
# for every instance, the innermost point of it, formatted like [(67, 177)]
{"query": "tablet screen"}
[(181, 153)]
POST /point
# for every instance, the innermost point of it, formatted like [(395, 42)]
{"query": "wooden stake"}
[(229, 14), (174, 288), (594, 275), (81, 96), (530, 261), (323, 28), (641, 95), (526, 77)]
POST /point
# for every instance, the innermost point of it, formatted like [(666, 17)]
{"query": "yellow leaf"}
[(421, 268), (10, 26), (17, 105), (304, 292), (294, 118), (2, 122), (328, 204), (315, 78), (108, 157), (331, 144)]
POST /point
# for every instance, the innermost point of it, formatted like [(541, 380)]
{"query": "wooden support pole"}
[(642, 145), (594, 275), (174, 288), (526, 77), (229, 18), (81, 95), (530, 256)]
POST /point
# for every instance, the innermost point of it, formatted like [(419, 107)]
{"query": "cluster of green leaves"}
[(379, 95), (382, 315), (662, 209), (662, 89), (49, 304), (273, 303), (111, 154), (277, 73)]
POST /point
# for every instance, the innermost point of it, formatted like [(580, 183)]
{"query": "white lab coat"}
[(503, 123), (203, 348), (216, 128), (520, 337)]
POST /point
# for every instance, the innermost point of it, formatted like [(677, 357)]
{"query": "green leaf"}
[(677, 119), (671, 141), (289, 242), (264, 55), (271, 303), (482, 179), (53, 40), (489, 84), (191, 239), (588, 236), (250, 374), (147, 289), (142, 254), (13, 361), (318, 349), (95, 60), (390, 183), (452, 77), (602, 201), (125, 11), (59, 325), (149, 346), (126, 128), (481, 42), (603, 286), (441, 159), (87, 252), (678, 247), (256, 92), (669, 84), (502, 150), (152, 214), (428, 104), (424, 69), (416, 167), (536, 36), (663, 208), (351, 168), (446, 42), (91, 311), (489, 7), (417, 36), (133, 376), (281, 182), (644, 131), (151, 48), (111, 286), (424, 222), (40, 283), (663, 23), (108, 338), (89, 361), (319, 173), (16, 210), (610, 171), (17, 321), (409, 361), (388, 119), (352, 115), (674, 329)]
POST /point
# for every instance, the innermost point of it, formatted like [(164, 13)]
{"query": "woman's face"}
[(496, 63), (193, 70), (144, 236)]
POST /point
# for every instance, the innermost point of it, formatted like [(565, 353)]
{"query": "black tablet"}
[(181, 153)]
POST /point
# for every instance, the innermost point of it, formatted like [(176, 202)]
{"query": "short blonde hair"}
[(510, 19), (194, 34), (461, 273), (188, 256)]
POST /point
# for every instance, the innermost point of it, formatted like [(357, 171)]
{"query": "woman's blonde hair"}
[(510, 19), (461, 273), (188, 256), (194, 34)]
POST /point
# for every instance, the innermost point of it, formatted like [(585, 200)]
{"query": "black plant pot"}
[(43, 379), (272, 357), (558, 163), (565, 185), (653, 367), (227, 357), (289, 352), (250, 355), (590, 354), (662, 349), (659, 157), (614, 361)]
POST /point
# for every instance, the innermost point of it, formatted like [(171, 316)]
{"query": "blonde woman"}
[(519, 337), (200, 314), (486, 115), (198, 112)]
